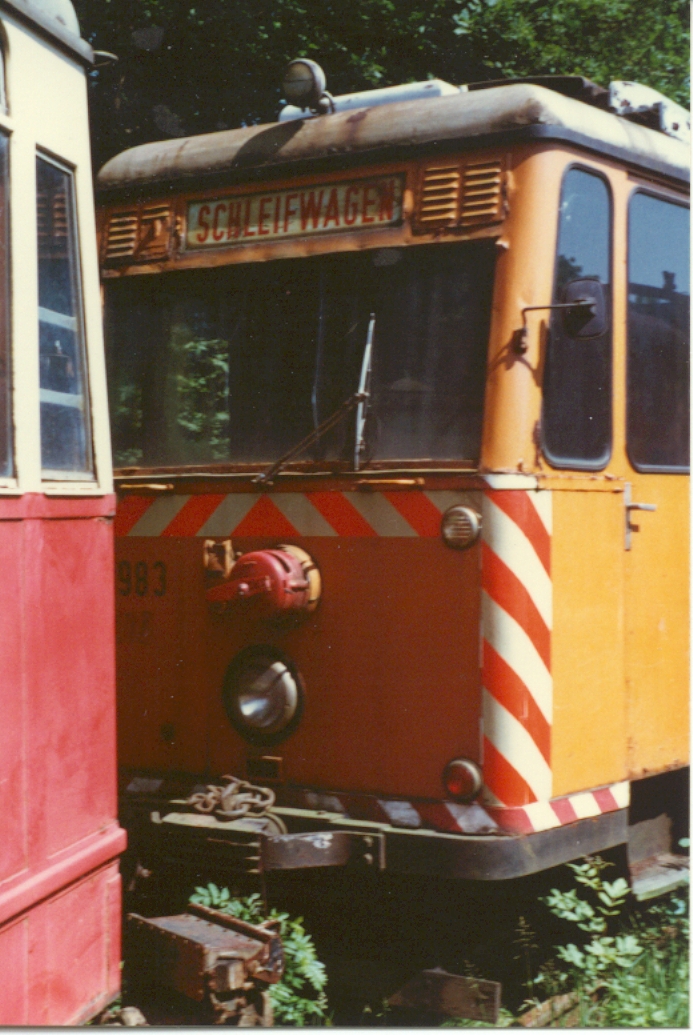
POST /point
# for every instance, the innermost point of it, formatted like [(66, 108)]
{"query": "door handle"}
[(630, 506)]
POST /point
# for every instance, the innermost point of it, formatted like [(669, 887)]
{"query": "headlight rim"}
[(230, 694)]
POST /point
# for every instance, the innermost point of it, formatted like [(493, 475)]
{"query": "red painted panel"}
[(13, 843), (14, 954), (76, 933), (390, 660), (59, 839), (70, 676)]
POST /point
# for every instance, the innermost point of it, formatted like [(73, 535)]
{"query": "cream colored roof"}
[(514, 112)]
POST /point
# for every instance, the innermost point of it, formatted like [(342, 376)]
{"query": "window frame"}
[(680, 203), (9, 481), (55, 481), (574, 464)]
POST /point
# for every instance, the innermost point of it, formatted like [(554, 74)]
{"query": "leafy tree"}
[(600, 39), (218, 64)]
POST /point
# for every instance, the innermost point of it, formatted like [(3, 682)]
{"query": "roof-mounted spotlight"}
[(304, 86)]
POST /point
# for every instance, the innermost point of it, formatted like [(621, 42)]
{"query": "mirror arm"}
[(520, 345)]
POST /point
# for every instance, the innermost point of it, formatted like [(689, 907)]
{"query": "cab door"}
[(656, 496)]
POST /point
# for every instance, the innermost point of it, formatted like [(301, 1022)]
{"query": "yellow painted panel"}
[(657, 628), (589, 729)]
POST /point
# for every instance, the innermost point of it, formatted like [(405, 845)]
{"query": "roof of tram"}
[(501, 114)]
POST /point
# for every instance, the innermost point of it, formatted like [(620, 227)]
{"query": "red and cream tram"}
[(399, 391), (59, 838)]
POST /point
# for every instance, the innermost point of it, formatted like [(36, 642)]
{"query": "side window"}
[(576, 412), (6, 452), (65, 424), (3, 79), (657, 415)]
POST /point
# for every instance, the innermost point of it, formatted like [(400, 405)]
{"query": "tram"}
[(399, 398), (60, 840)]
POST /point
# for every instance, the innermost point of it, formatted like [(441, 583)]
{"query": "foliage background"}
[(195, 66)]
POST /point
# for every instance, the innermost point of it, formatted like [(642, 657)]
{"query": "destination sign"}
[(356, 205)]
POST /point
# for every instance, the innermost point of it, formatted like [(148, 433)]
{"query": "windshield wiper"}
[(359, 398), (365, 391)]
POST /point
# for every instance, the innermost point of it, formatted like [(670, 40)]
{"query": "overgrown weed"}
[(299, 999)]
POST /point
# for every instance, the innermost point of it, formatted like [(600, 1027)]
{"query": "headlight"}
[(460, 527), (263, 694)]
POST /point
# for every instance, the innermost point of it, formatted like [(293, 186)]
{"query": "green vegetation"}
[(215, 64), (599, 39), (299, 999), (628, 968), (622, 965), (630, 972)]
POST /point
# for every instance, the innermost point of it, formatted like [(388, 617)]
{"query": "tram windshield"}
[(237, 364)]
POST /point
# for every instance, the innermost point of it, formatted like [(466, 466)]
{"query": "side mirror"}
[(586, 316)]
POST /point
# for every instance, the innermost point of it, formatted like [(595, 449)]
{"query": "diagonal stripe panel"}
[(504, 587), (339, 513), (300, 512), (504, 781), (417, 510), (511, 692), (264, 519), (585, 805), (159, 516), (517, 506), (229, 514), (515, 744), (564, 810), (128, 512), (508, 541), (442, 499), (515, 647), (193, 515), (542, 816), (541, 501), (380, 514)]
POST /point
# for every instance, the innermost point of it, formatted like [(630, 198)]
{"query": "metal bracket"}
[(520, 344), (630, 506)]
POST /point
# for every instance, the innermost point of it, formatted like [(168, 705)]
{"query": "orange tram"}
[(399, 400), (60, 902)]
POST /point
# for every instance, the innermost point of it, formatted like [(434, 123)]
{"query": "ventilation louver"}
[(457, 195), (121, 236), (139, 235), (482, 198), (439, 198)]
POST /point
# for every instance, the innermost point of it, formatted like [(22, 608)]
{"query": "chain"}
[(237, 799)]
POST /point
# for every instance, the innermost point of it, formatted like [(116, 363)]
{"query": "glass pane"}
[(576, 418), (238, 365), (65, 424), (6, 457), (658, 334)]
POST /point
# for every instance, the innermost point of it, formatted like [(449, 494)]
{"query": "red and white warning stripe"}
[(285, 514), (546, 815), (444, 816), (517, 617)]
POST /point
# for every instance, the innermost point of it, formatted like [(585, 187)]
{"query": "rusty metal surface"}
[(405, 125), (204, 952), (247, 847), (323, 848), (450, 995), (235, 800)]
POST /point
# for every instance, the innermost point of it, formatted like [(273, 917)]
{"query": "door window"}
[(576, 413), (658, 334)]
